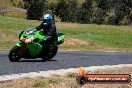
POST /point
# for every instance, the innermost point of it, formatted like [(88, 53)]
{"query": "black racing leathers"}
[(49, 31)]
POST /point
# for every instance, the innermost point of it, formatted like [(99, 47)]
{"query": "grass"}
[(97, 37), (42, 83), (106, 36), (71, 75), (16, 14), (101, 36), (11, 10), (10, 29), (68, 80)]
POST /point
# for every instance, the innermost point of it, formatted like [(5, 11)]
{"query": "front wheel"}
[(81, 80), (50, 53), (13, 54)]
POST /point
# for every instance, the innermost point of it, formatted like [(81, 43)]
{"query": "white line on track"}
[(56, 72)]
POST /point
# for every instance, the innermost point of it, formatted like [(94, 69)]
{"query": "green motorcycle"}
[(30, 46)]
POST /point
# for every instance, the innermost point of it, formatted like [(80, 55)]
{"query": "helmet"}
[(47, 19)]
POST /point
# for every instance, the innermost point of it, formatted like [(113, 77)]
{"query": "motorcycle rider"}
[(48, 25)]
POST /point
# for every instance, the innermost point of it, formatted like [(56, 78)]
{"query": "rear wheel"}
[(50, 53), (13, 54)]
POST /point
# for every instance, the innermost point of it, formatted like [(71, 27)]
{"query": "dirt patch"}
[(72, 41), (19, 83)]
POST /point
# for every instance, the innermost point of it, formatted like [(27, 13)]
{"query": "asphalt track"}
[(63, 60)]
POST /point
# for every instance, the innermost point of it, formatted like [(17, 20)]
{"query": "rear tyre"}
[(50, 53), (13, 54)]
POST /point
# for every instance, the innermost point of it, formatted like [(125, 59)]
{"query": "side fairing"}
[(37, 34), (61, 38), (34, 48)]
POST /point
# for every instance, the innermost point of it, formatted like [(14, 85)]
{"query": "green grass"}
[(14, 23), (43, 83), (109, 36), (98, 37), (106, 36), (10, 29)]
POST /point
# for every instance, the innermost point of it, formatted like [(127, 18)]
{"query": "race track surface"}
[(63, 60)]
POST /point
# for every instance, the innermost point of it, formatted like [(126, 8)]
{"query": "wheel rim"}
[(51, 50), (14, 56)]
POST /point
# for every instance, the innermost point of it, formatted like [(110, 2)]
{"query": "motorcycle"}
[(30, 46)]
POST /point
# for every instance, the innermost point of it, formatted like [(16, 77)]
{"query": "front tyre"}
[(81, 80), (13, 54), (50, 53)]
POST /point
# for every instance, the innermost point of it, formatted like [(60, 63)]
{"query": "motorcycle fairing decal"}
[(26, 40), (29, 40)]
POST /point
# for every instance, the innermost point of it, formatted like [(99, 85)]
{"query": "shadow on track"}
[(36, 60)]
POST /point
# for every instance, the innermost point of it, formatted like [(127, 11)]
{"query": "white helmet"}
[(47, 19)]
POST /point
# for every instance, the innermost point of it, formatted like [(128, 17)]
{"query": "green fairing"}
[(19, 44), (35, 48), (38, 34), (61, 38)]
